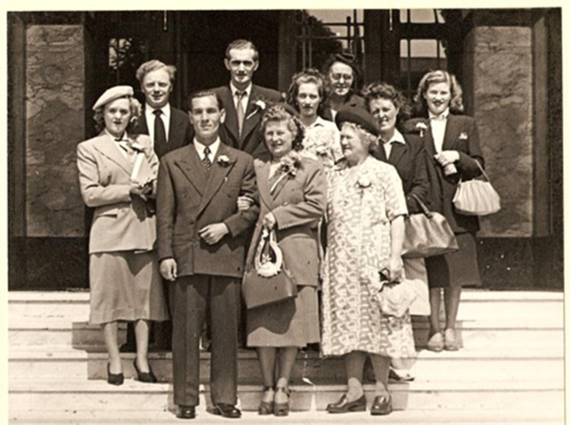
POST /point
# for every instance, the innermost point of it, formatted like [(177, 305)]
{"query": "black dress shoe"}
[(114, 378), (382, 405), (344, 406), (148, 377), (186, 412), (226, 410)]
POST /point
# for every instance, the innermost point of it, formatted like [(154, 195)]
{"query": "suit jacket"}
[(189, 199), (120, 222), (298, 203), (354, 100), (460, 135), (180, 132), (410, 160), (251, 140)]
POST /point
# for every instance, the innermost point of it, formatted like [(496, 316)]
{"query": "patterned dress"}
[(362, 201)]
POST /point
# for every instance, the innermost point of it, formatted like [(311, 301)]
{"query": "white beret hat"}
[(112, 94)]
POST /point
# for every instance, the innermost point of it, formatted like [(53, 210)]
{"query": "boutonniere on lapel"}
[(288, 165), (223, 161), (463, 136), (259, 106), (421, 127)]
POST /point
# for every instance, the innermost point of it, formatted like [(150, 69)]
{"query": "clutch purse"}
[(427, 234), (269, 281), (395, 299), (476, 197)]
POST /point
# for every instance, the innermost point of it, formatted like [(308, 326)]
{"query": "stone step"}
[(96, 395), (407, 417), (480, 334), (463, 365)]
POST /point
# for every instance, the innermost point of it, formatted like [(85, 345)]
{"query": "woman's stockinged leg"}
[(381, 365), (435, 306), (110, 331), (267, 361), (142, 335), (287, 357), (354, 365), (452, 298)]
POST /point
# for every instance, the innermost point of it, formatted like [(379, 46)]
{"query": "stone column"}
[(55, 81)]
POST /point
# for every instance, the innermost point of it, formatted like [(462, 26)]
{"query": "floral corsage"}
[(288, 165), (223, 160), (260, 105), (421, 127), (363, 181)]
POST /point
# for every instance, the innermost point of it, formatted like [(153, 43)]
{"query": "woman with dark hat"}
[(365, 218), (292, 192), (343, 81), (117, 176)]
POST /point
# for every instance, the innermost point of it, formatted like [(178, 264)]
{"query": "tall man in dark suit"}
[(244, 101), (201, 245), (168, 129)]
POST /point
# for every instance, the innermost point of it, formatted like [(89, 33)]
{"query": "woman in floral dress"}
[(365, 214)]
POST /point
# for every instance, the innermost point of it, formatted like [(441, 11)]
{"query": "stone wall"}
[(55, 83)]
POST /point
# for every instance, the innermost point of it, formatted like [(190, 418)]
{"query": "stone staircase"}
[(509, 371)]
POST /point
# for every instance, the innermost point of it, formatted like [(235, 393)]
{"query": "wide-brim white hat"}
[(113, 93)]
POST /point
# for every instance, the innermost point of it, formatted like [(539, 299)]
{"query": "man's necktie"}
[(206, 160), (240, 111), (159, 131)]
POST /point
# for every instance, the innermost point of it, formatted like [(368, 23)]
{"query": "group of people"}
[(182, 199)]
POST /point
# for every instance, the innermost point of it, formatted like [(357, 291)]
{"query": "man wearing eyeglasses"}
[(244, 101)]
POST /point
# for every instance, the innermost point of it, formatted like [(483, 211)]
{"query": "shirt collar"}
[(319, 122), (247, 90), (124, 138), (165, 110), (213, 147), (397, 137), (441, 117)]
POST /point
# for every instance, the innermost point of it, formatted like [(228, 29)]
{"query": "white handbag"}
[(476, 197)]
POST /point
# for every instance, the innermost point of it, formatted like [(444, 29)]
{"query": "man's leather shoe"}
[(382, 405), (226, 410), (186, 412), (344, 406)]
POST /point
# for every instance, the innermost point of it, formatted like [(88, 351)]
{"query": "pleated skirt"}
[(125, 286)]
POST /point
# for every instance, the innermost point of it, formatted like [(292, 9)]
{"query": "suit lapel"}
[(398, 150), (108, 147), (252, 114), (231, 123), (263, 186), (191, 166), (216, 176), (142, 126), (175, 129), (429, 143), (451, 133)]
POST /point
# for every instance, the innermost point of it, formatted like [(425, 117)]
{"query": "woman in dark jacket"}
[(452, 141), (343, 82)]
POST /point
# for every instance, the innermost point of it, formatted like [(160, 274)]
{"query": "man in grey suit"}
[(168, 129), (201, 245), (244, 101)]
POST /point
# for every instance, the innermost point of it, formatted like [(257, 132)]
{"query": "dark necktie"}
[(159, 132), (206, 160), (239, 110)]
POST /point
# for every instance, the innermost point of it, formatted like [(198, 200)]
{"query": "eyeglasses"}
[(338, 76)]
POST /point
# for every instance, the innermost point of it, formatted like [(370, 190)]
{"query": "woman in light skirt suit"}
[(117, 173)]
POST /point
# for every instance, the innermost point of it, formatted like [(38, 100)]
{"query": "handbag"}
[(269, 281), (476, 197), (427, 234), (396, 298)]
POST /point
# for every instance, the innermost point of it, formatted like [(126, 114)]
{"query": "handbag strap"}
[(423, 206), (482, 172)]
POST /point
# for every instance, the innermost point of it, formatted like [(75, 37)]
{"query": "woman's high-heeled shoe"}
[(147, 377), (266, 407), (282, 409), (114, 378)]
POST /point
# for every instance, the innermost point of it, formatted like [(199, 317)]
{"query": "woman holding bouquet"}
[(117, 176)]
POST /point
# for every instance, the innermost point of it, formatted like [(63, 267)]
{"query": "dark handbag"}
[(269, 281), (476, 197), (427, 234)]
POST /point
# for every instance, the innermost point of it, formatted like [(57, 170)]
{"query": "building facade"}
[(508, 61)]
